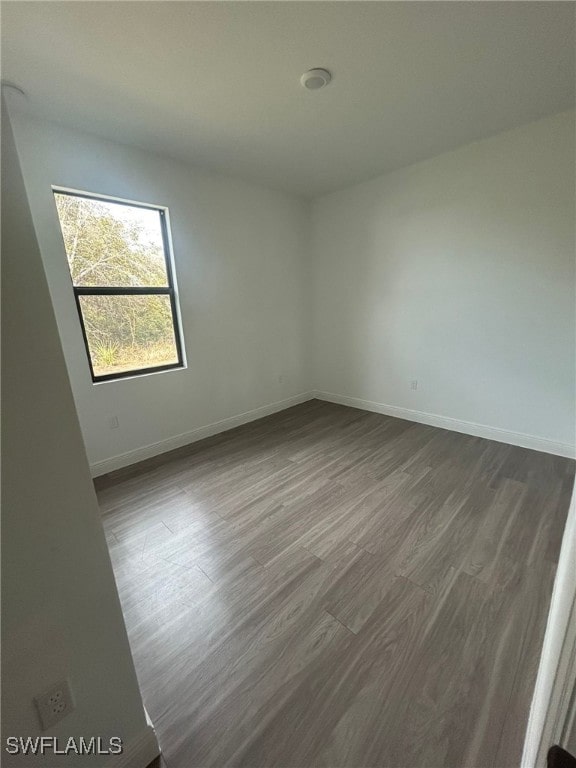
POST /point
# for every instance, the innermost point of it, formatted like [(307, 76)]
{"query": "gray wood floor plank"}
[(332, 588)]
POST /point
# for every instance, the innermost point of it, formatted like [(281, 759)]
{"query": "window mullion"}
[(119, 290)]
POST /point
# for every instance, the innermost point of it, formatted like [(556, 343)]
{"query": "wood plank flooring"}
[(334, 588)]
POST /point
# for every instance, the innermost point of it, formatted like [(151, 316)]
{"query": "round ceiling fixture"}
[(315, 79)]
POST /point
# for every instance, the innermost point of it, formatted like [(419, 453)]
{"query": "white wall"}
[(61, 615), (240, 253), (457, 272)]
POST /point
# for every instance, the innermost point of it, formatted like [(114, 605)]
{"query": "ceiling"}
[(217, 83)]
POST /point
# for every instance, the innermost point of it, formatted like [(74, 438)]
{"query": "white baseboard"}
[(139, 752), (445, 422), (162, 446), (455, 425)]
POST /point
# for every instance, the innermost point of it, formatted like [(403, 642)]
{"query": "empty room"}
[(289, 384)]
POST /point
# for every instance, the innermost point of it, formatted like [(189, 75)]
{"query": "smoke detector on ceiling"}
[(315, 79)]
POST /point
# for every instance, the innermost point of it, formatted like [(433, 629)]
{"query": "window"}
[(119, 260)]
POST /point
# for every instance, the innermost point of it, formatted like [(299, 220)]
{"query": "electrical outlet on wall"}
[(54, 704), (414, 384), (113, 422), (281, 379)]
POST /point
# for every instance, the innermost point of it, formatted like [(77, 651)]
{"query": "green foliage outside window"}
[(115, 245)]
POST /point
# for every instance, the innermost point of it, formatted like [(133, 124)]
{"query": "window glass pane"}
[(110, 244), (128, 332)]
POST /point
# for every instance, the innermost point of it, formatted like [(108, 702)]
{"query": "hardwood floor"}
[(329, 587)]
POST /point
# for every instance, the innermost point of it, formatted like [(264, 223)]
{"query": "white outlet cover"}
[(54, 704)]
